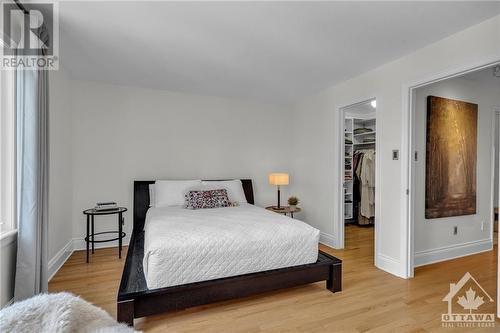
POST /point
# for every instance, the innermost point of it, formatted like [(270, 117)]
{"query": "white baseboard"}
[(451, 252), (76, 244), (59, 259), (390, 265), (383, 262), (80, 244), (326, 239), (7, 304)]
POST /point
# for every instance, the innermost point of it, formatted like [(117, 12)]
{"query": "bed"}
[(178, 258)]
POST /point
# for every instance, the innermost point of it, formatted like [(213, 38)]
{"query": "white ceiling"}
[(275, 52)]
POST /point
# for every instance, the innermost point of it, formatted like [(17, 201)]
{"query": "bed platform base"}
[(135, 300)]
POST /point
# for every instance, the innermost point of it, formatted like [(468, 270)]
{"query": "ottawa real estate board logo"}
[(464, 301), (30, 35)]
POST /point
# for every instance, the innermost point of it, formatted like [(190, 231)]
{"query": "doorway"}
[(496, 175), (436, 237), (358, 176)]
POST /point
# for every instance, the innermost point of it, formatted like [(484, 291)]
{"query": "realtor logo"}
[(464, 300), (30, 38)]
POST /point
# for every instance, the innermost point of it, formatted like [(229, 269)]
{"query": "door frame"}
[(496, 113), (338, 223), (407, 151)]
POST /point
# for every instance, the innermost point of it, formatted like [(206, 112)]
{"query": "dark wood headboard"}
[(141, 199)]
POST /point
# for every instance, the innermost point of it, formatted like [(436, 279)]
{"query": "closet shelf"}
[(366, 133), (364, 121), (364, 143)]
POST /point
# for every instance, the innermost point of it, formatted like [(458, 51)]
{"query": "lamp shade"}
[(278, 179)]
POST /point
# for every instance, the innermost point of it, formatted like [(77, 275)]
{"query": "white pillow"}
[(234, 189), (151, 195), (172, 192)]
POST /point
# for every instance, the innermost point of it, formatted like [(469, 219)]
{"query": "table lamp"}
[(278, 179)]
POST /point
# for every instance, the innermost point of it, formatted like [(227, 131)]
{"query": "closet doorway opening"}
[(359, 146)]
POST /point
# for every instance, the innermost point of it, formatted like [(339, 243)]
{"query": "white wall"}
[(60, 177), (8, 251), (316, 139), (122, 134), (434, 238), (119, 134), (497, 155)]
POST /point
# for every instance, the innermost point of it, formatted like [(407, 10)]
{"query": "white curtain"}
[(32, 182)]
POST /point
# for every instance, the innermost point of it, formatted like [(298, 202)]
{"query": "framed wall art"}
[(451, 158)]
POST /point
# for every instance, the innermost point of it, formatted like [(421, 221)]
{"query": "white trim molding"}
[(497, 111), (452, 251), (8, 237), (494, 114), (327, 239), (59, 259), (389, 264), (8, 249), (78, 244), (8, 152)]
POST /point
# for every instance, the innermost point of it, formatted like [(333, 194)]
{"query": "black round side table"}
[(90, 228)]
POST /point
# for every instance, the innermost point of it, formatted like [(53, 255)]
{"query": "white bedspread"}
[(183, 246)]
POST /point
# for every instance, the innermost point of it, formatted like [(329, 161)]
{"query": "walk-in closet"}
[(360, 131)]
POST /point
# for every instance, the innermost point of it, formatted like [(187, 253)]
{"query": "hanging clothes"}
[(364, 186), (356, 188), (367, 179)]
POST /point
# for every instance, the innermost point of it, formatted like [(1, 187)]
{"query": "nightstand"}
[(284, 210), (90, 213)]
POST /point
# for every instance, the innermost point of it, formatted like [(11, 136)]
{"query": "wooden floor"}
[(371, 300)]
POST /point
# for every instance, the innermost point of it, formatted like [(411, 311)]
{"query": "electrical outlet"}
[(395, 154), (455, 230)]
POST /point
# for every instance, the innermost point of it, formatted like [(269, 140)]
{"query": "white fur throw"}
[(58, 313)]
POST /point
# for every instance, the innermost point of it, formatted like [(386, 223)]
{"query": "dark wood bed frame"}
[(135, 300)]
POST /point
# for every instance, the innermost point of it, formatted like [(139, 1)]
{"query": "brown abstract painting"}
[(450, 178)]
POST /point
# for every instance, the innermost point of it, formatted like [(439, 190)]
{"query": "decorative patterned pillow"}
[(207, 199)]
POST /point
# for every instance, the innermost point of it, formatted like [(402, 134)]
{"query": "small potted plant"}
[(293, 202)]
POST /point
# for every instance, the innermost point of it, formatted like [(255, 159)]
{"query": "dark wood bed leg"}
[(334, 282), (125, 312)]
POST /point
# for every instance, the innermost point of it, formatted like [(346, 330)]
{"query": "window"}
[(7, 151)]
